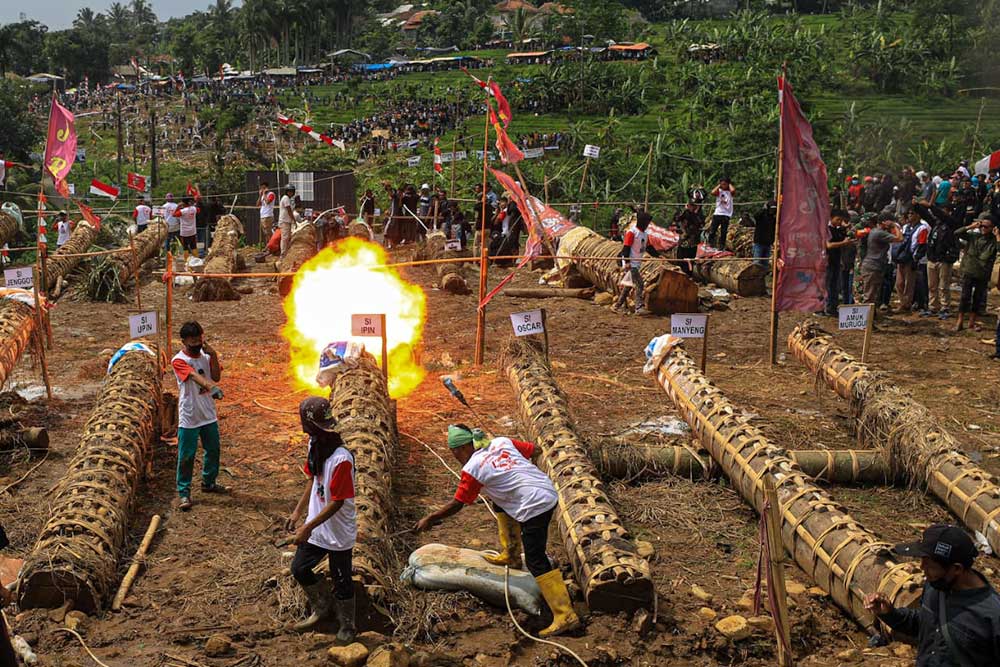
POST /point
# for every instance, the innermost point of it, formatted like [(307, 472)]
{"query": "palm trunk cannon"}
[(667, 288), (78, 551), (8, 227), (625, 460), (17, 324), (451, 275), (366, 420), (109, 276), (221, 259), (301, 248), (741, 277), (842, 557), (914, 442), (58, 264), (611, 573)]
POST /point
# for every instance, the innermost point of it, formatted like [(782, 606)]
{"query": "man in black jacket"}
[(942, 253), (764, 222), (958, 622)]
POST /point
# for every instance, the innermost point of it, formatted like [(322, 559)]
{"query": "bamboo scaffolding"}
[(667, 288), (609, 569), (842, 556), (913, 441), (62, 262), (301, 248), (221, 259), (79, 548)]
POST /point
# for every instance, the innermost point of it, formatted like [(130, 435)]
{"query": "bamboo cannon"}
[(58, 264), (361, 229), (743, 278), (550, 292), (17, 324), (221, 259), (359, 400), (844, 558), (620, 459), (605, 561), (301, 248), (913, 441), (451, 275), (78, 550), (667, 288)]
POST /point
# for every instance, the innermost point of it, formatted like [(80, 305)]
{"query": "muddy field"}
[(215, 570)]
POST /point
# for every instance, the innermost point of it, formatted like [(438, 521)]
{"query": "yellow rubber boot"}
[(554, 591), (510, 543)]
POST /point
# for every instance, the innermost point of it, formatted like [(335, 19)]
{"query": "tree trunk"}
[(609, 569), (77, 554), (8, 228), (17, 324), (842, 557), (550, 292), (739, 277), (58, 265), (147, 246), (221, 259), (914, 442), (15, 437), (301, 248)]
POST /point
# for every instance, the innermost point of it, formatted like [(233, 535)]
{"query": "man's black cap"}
[(944, 543), (315, 411)]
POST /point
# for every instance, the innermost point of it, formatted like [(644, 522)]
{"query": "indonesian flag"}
[(437, 157), (89, 215), (192, 191), (42, 200), (136, 182), (103, 189), (509, 152), (989, 163), (4, 164)]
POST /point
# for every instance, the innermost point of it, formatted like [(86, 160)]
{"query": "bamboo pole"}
[(169, 298), (649, 173), (844, 558), (135, 261), (39, 336), (454, 146), (913, 441), (775, 245), (137, 562), (483, 266), (776, 579)]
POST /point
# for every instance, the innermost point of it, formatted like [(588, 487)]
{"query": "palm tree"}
[(142, 14), (85, 19), (119, 17)]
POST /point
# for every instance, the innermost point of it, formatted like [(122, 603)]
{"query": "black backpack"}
[(902, 252)]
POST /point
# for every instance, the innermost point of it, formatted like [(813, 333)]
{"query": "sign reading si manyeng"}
[(688, 325)]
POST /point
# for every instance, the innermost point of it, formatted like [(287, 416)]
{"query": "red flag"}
[(509, 152), (803, 228), (503, 106), (60, 143), (89, 215), (437, 157), (63, 188), (192, 191), (136, 182), (480, 83)]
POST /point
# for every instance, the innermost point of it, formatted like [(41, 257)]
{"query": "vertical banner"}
[(805, 213), (60, 142)]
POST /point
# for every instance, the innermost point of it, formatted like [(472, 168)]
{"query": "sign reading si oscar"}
[(528, 323), (366, 325)]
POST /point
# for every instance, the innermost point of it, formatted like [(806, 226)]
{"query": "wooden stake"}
[(385, 350), (137, 562), (775, 247), (169, 306), (546, 181), (583, 177), (43, 254), (545, 332), (135, 259), (649, 173), (39, 333), (776, 582), (481, 310), (868, 331), (704, 345)]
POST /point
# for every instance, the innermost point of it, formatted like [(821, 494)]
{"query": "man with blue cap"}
[(502, 470)]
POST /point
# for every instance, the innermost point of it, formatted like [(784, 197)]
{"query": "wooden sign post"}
[(692, 325), (373, 326), (589, 151), (858, 317)]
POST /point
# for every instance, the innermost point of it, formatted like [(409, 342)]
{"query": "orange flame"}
[(346, 279)]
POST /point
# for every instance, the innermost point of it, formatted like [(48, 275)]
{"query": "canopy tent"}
[(633, 48), (434, 49), (280, 71), (528, 54), (44, 77)]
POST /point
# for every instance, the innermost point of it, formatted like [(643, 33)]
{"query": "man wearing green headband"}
[(502, 470)]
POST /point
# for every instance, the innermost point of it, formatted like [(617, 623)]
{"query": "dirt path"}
[(215, 569)]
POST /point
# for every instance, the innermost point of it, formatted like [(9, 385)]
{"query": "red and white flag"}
[(509, 152), (988, 164), (3, 169), (492, 89), (42, 231), (136, 182), (803, 225), (103, 189), (437, 157)]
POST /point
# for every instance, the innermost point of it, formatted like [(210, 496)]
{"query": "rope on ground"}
[(279, 410), (25, 475), (510, 612), (84, 644)]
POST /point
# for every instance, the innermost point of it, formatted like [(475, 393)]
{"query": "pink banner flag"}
[(803, 224), (60, 145)]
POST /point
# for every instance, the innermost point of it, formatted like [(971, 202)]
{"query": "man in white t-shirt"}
[(286, 217), (173, 223), (331, 528), (265, 201), (141, 215), (717, 232), (63, 229), (198, 370), (524, 497), (188, 228)]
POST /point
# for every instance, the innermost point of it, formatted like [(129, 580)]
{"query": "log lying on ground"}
[(842, 557), (78, 551), (550, 292), (609, 569), (17, 324), (452, 276), (221, 259), (914, 442), (366, 420), (741, 277), (301, 248), (108, 278), (16, 437), (360, 229), (58, 264), (667, 288), (621, 459)]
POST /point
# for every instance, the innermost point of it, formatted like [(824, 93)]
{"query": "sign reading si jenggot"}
[(22, 278)]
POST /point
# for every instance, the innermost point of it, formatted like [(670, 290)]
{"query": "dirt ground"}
[(215, 569)]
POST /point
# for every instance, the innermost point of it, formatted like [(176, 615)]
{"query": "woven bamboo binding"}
[(301, 248), (366, 421), (607, 565), (79, 548), (842, 556), (221, 259), (915, 443), (148, 244), (8, 227), (58, 264), (17, 324)]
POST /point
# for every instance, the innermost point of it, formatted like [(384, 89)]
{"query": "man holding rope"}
[(503, 471)]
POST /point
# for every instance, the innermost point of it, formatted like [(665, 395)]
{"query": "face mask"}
[(941, 584), (194, 350)]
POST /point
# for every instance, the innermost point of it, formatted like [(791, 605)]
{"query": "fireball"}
[(350, 278)]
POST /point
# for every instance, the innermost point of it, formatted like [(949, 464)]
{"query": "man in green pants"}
[(197, 369)]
